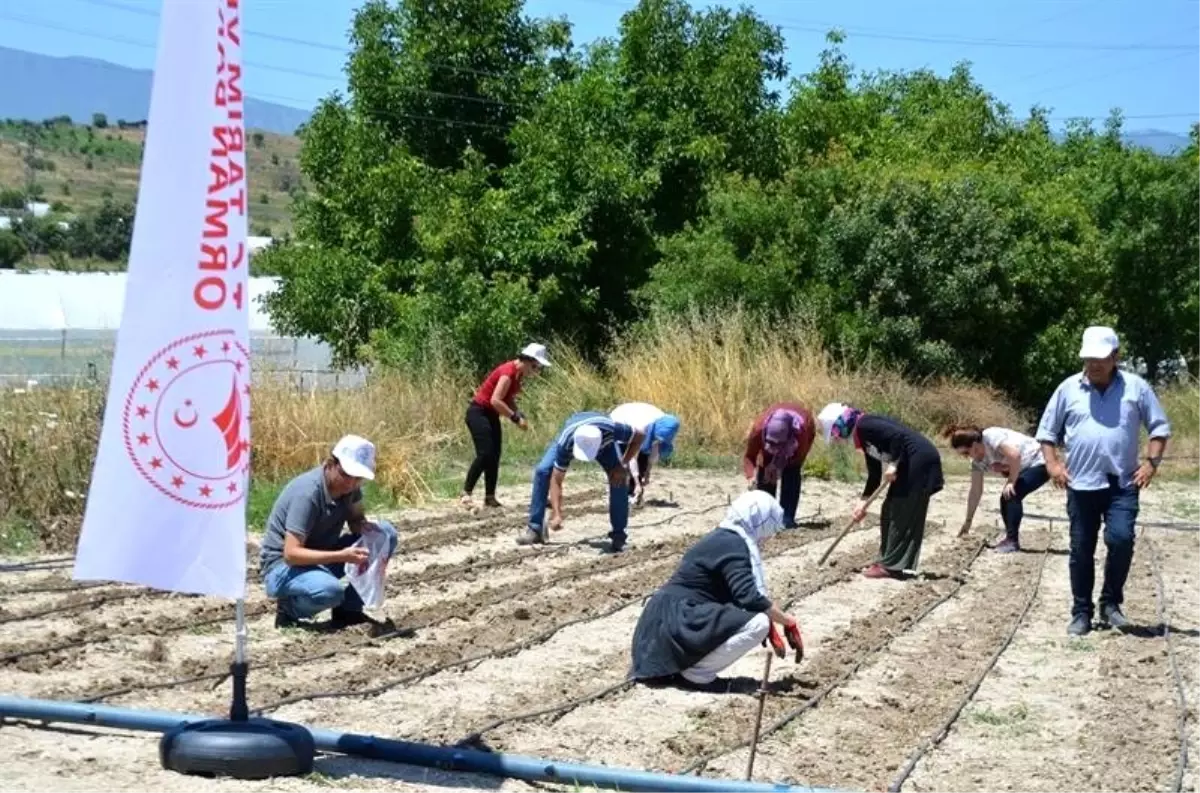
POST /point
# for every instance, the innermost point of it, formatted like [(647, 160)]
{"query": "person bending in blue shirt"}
[(586, 437), (1097, 415)]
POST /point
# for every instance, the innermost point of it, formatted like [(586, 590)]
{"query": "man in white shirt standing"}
[(1096, 415), (660, 430)]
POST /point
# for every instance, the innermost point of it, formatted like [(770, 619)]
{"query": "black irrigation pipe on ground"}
[(38, 565), (219, 677), (1169, 524), (494, 653), (942, 731), (1180, 693), (554, 710), (424, 673), (563, 707), (265, 608), (52, 589), (792, 715), (92, 603), (372, 641)]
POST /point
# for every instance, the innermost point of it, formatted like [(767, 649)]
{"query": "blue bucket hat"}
[(665, 430)]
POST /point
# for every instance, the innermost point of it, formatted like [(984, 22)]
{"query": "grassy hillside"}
[(74, 167)]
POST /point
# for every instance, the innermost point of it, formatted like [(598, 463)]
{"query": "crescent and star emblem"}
[(185, 424)]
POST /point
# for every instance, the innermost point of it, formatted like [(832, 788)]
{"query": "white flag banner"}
[(166, 507)]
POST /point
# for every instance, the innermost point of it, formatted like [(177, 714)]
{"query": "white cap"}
[(587, 442), (538, 353), (356, 455), (1098, 342), (829, 414)]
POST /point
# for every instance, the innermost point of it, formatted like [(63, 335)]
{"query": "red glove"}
[(776, 641), (793, 637)]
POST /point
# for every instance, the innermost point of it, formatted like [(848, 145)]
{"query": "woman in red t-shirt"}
[(496, 397)]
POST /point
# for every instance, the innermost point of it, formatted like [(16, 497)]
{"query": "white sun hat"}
[(356, 456), (1098, 342), (828, 415), (587, 442), (538, 353)]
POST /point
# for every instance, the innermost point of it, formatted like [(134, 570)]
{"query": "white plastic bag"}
[(368, 579)]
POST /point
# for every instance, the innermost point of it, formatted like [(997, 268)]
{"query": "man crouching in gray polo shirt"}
[(304, 553)]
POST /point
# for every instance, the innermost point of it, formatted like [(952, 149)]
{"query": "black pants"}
[(788, 488), (484, 426)]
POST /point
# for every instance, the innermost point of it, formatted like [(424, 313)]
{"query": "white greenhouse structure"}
[(57, 326)]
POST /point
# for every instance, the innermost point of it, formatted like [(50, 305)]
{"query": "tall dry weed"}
[(718, 372), (715, 372)]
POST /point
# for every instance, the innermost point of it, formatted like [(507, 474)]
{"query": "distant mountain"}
[(1157, 140), (44, 86)]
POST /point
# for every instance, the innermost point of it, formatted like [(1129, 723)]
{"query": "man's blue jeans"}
[(618, 499), (1012, 509), (305, 591), (1118, 507)]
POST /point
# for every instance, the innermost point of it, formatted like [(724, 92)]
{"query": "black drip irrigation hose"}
[(38, 565), (787, 718), (478, 657), (93, 603), (424, 673), (939, 735), (554, 710), (372, 641), (569, 705), (252, 612), (1169, 524), (1180, 693)]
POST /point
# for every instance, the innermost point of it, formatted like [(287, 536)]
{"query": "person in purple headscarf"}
[(776, 447)]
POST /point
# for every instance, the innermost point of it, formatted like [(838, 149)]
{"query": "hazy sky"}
[(1076, 57)]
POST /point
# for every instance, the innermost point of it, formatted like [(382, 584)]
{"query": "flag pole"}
[(239, 710)]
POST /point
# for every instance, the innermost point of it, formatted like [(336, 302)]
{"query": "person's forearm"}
[(556, 488), (305, 557), (1156, 447), (634, 446), (501, 407), (1050, 453), (973, 497)]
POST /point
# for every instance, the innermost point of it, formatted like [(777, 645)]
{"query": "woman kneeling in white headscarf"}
[(714, 609)]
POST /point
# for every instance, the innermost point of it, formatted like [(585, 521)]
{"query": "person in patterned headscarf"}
[(776, 447), (913, 471), (715, 607)]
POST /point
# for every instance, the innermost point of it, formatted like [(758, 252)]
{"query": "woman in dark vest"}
[(714, 609), (913, 471)]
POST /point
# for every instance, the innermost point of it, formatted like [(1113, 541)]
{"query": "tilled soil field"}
[(961, 678)]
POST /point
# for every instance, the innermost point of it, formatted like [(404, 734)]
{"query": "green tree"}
[(99, 121), (12, 250)]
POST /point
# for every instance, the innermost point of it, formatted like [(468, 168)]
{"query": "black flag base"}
[(251, 749), (239, 747)]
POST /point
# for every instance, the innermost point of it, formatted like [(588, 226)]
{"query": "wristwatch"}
[(1154, 462)]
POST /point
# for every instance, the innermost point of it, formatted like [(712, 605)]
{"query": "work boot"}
[(283, 619), (1081, 625), (618, 545), (1114, 617), (532, 536), (343, 618)]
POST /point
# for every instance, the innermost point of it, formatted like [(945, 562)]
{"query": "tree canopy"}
[(485, 181)]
